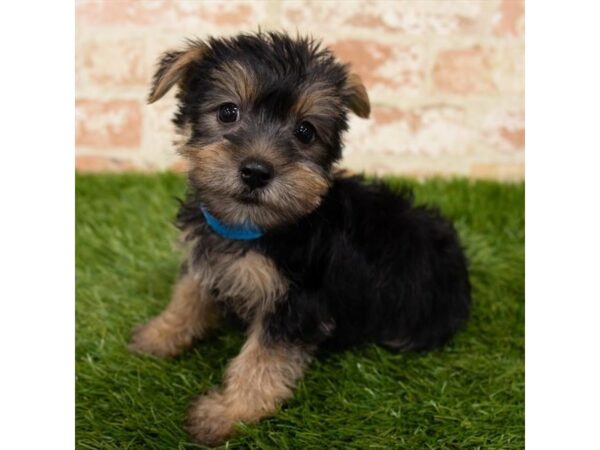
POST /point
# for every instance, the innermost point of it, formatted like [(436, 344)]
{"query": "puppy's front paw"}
[(209, 421), (157, 338)]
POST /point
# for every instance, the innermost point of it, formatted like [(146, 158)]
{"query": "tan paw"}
[(157, 339), (209, 421)]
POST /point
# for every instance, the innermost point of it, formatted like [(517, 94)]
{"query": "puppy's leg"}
[(189, 315), (256, 382)]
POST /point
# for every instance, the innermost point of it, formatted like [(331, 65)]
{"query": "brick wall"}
[(445, 77)]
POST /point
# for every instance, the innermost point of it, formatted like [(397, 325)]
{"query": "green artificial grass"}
[(469, 395)]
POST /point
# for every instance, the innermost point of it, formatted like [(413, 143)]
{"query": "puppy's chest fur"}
[(242, 279)]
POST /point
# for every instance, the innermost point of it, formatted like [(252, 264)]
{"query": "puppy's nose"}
[(256, 173)]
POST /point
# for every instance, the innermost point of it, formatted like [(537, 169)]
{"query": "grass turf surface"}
[(468, 395)]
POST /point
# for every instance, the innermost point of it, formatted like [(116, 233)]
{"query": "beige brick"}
[(504, 129), (386, 70), (509, 69), (464, 71), (480, 70), (169, 13), (159, 132), (430, 131), (510, 19), (107, 124), (108, 61), (446, 78), (111, 12), (423, 17)]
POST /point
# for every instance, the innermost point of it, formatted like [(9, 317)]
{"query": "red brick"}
[(160, 135), (169, 13), (464, 71), (119, 12), (510, 20), (385, 115), (107, 124), (433, 131), (423, 17), (504, 129), (385, 69), (389, 44), (112, 62), (515, 137)]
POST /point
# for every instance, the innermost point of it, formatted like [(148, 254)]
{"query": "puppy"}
[(305, 257)]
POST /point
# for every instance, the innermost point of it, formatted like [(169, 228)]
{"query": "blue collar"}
[(244, 232)]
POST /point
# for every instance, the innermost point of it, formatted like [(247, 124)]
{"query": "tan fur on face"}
[(256, 382), (189, 315), (296, 190), (317, 103), (212, 166), (316, 99), (237, 81)]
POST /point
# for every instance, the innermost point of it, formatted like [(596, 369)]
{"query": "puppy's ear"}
[(173, 67), (356, 96)]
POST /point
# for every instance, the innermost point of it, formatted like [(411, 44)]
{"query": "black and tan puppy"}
[(305, 257)]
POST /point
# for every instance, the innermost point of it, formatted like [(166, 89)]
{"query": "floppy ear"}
[(172, 68), (356, 96)]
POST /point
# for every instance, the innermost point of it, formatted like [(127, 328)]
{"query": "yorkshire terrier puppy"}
[(305, 257)]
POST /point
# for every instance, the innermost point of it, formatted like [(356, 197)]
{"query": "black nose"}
[(255, 173)]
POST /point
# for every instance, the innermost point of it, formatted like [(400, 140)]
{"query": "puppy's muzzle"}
[(256, 173)]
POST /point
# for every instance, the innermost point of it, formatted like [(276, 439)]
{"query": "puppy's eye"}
[(229, 112), (305, 132)]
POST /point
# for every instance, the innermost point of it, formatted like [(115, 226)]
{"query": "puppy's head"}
[(262, 118)]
